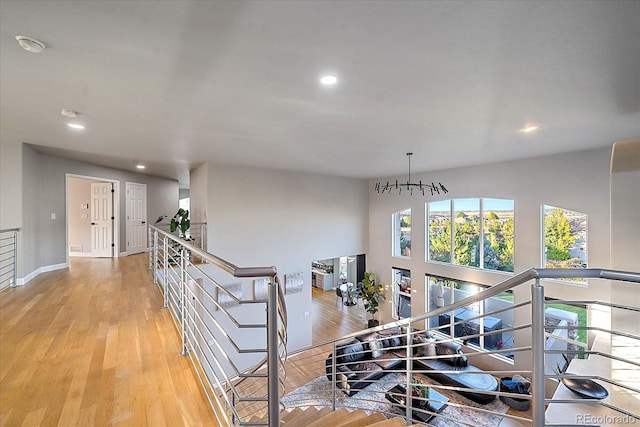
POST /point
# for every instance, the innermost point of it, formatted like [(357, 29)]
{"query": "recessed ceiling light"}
[(529, 128), (329, 80), (30, 44), (140, 166), (75, 126)]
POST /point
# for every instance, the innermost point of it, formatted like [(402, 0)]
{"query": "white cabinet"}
[(323, 281)]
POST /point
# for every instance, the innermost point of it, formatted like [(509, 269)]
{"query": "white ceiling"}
[(178, 83)]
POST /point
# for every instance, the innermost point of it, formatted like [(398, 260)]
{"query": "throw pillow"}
[(376, 347), (424, 346), (430, 347)]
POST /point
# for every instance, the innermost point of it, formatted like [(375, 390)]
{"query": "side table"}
[(398, 394)]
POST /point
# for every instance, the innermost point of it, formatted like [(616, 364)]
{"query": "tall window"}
[(496, 317), (565, 239), (466, 237), (498, 241), (401, 293), (439, 230), (402, 233), (482, 230)]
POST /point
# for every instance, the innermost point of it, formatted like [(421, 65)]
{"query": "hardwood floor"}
[(332, 319), (92, 346)]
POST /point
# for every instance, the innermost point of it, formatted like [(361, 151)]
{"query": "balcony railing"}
[(239, 353), (388, 368), (232, 321), (8, 257)]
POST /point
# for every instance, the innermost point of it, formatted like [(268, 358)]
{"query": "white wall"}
[(44, 180), (260, 217), (28, 251), (79, 218), (625, 255), (577, 181), (10, 183), (198, 184)]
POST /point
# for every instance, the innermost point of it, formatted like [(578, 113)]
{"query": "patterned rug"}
[(372, 399)]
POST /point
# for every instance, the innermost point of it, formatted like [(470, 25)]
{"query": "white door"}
[(101, 219), (136, 218)]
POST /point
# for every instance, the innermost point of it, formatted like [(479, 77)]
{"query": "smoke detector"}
[(68, 113), (30, 44)]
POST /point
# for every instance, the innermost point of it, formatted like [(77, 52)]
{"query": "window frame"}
[(543, 245), (482, 212), (396, 293), (397, 233), (442, 330)]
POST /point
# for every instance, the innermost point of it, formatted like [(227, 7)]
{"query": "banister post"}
[(273, 360), (15, 259), (154, 255), (537, 354), (165, 271), (183, 299)]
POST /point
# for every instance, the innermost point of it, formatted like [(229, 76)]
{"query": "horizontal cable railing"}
[(462, 362), (232, 322), (8, 257)]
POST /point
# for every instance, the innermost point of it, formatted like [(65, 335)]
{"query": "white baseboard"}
[(26, 279), (80, 254), (123, 254)]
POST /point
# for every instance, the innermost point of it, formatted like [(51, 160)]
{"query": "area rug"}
[(372, 399)]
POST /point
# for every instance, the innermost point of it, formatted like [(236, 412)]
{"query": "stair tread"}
[(287, 415), (365, 421), (393, 422), (350, 417), (307, 416), (330, 419)]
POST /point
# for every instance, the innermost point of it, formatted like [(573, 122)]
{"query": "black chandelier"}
[(410, 186)]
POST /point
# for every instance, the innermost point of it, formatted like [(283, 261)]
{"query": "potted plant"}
[(181, 222), (372, 294)]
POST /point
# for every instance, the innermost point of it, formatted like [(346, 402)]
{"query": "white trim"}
[(116, 209), (146, 219), (123, 254), (80, 255), (47, 268)]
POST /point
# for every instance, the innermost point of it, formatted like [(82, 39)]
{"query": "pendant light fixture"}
[(410, 186)]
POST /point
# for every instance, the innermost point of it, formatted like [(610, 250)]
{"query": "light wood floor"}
[(92, 346)]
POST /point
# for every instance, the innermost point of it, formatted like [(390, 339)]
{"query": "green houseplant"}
[(372, 294), (181, 222)]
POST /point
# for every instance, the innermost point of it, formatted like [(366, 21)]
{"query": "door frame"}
[(126, 212), (116, 210)]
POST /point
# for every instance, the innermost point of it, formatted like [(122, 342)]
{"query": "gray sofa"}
[(367, 358)]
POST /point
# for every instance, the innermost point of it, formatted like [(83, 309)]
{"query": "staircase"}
[(342, 417)]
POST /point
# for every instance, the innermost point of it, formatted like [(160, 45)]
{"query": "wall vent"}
[(75, 249)]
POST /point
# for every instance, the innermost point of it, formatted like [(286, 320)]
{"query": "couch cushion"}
[(389, 361), (391, 342), (473, 380), (350, 352)]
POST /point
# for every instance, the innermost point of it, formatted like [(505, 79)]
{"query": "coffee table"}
[(398, 394)]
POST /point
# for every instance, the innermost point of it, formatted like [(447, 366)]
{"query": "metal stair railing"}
[(326, 378), (236, 344), (8, 258)]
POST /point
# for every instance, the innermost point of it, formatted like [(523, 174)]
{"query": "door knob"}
[(144, 222), (93, 223)]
